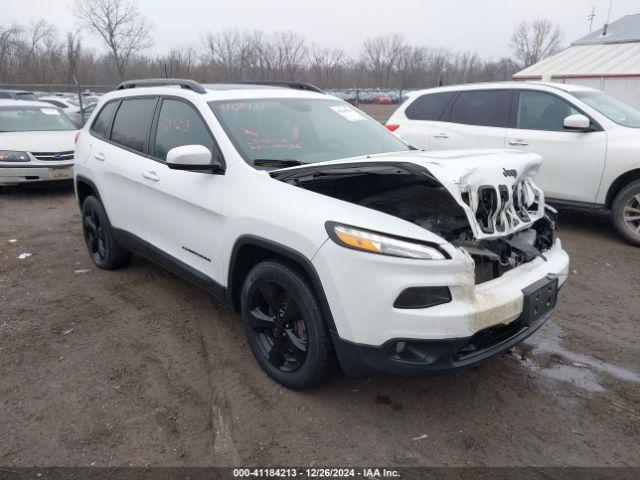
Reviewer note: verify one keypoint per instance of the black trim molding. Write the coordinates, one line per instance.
(145, 249)
(82, 179)
(286, 252)
(574, 204)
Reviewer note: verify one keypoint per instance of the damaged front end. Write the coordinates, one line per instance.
(501, 225)
(494, 257)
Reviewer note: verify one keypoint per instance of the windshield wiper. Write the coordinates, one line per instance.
(276, 163)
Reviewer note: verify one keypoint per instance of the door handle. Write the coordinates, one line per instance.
(99, 156)
(151, 175)
(518, 142)
(440, 135)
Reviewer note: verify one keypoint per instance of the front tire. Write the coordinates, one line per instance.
(105, 252)
(284, 326)
(625, 212)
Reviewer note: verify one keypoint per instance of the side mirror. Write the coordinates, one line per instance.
(578, 122)
(193, 158)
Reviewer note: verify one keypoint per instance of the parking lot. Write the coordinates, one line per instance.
(138, 367)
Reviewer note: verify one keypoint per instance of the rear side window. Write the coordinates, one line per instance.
(131, 125)
(541, 111)
(429, 107)
(488, 108)
(4, 95)
(179, 124)
(101, 124)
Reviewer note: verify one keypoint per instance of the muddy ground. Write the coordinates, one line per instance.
(138, 367)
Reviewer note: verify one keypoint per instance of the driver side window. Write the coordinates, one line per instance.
(541, 111)
(178, 125)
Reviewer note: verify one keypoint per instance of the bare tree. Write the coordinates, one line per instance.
(119, 23)
(36, 54)
(9, 42)
(231, 54)
(464, 67)
(72, 54)
(380, 56)
(40, 33)
(325, 65)
(411, 66)
(37, 51)
(533, 41)
(180, 62)
(289, 52)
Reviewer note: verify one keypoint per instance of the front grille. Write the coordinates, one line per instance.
(53, 156)
(498, 208)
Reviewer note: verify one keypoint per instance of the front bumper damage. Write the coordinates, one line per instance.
(482, 320)
(500, 239)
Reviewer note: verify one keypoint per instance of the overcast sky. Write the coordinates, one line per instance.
(484, 26)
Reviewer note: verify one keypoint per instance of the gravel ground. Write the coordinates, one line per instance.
(138, 367)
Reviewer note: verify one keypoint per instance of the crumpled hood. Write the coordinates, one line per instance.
(49, 141)
(495, 188)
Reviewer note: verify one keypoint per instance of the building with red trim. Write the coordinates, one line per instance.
(608, 59)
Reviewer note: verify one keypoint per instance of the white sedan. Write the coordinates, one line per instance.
(36, 143)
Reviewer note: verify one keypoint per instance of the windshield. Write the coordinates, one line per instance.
(292, 131)
(612, 108)
(25, 119)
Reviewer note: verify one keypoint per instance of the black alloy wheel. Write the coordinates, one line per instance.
(104, 250)
(284, 325)
(94, 235)
(278, 325)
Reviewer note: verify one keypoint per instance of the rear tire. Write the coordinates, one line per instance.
(625, 213)
(105, 252)
(284, 326)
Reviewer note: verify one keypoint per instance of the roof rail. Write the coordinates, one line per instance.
(156, 82)
(285, 84)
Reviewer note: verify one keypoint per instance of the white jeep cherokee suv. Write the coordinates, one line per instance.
(589, 141)
(331, 237)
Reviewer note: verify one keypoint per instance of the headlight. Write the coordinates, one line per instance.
(367, 241)
(11, 156)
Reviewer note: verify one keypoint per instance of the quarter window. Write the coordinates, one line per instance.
(488, 108)
(179, 124)
(429, 107)
(541, 111)
(132, 122)
(101, 124)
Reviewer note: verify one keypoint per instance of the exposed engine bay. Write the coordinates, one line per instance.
(412, 193)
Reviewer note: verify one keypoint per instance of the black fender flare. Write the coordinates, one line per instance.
(82, 179)
(286, 252)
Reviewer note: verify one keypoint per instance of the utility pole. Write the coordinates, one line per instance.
(77, 82)
(590, 18)
(604, 30)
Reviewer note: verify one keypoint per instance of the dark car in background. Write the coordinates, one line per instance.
(18, 95)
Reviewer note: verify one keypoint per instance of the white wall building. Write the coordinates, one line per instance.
(608, 61)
